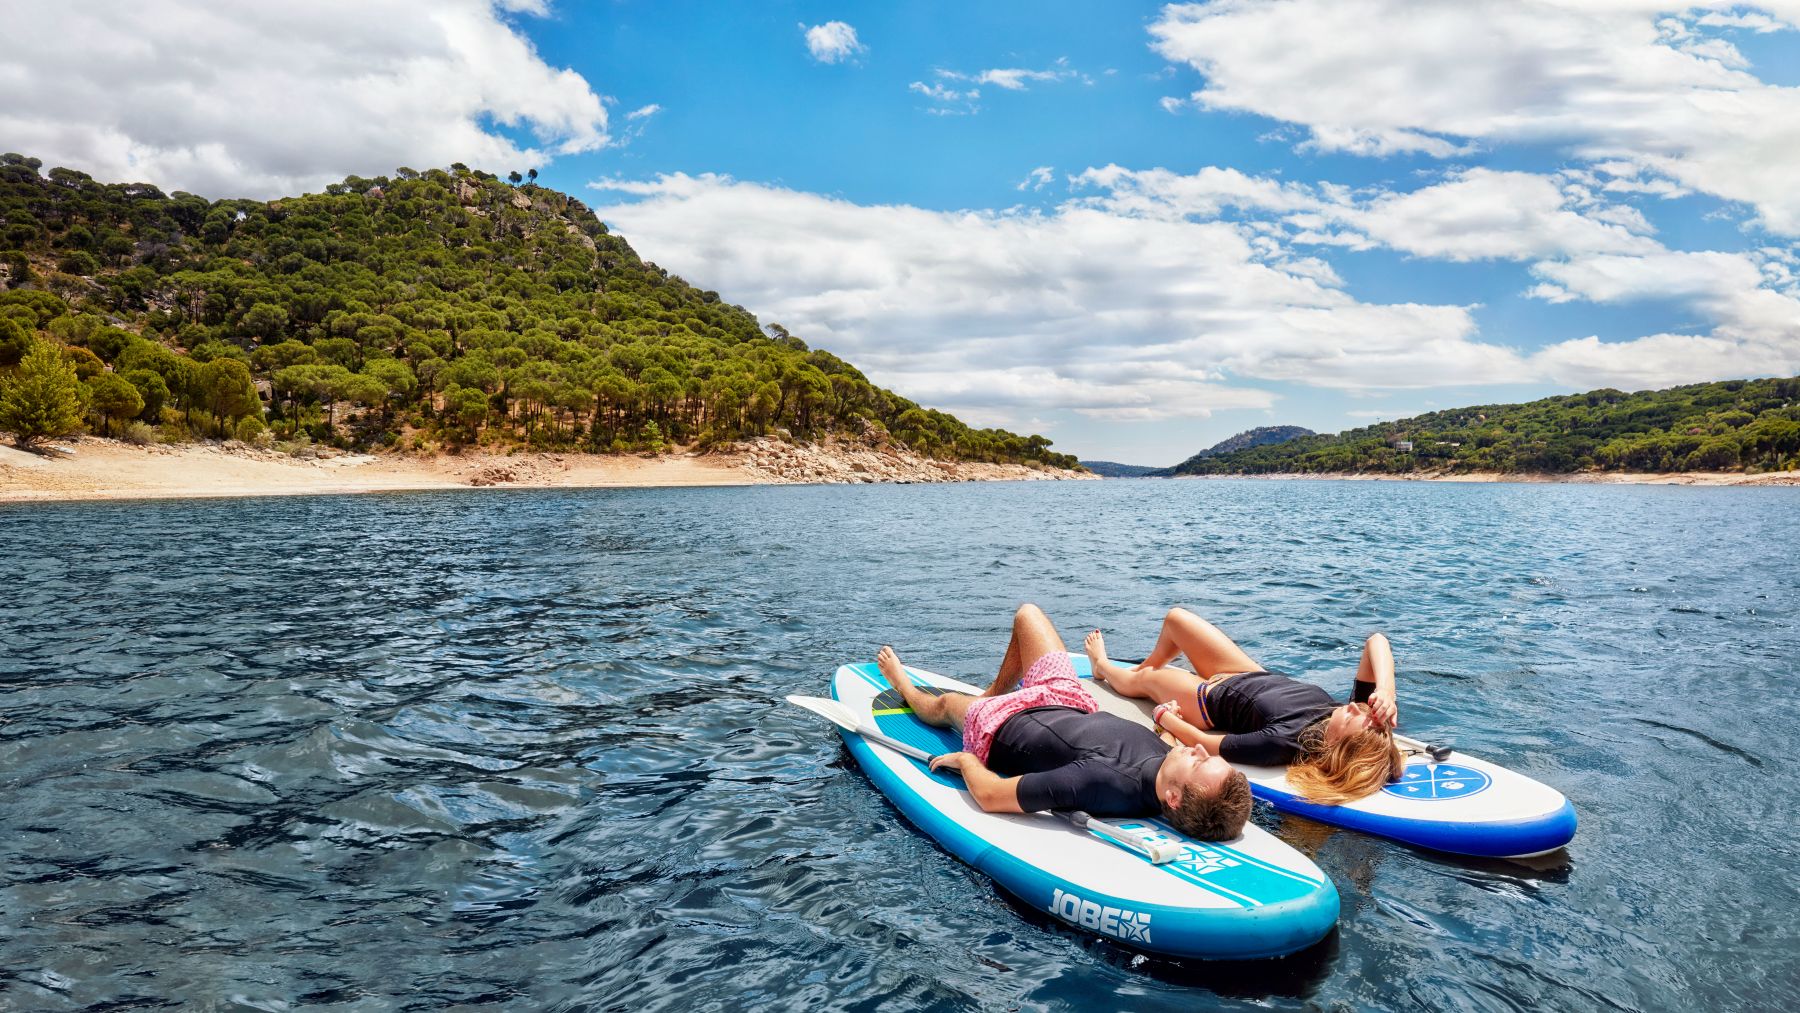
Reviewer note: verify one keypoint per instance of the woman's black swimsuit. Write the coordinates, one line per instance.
(1263, 714)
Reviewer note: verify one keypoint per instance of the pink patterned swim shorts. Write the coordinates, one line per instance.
(1049, 682)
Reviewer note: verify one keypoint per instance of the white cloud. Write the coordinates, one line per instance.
(1037, 178)
(832, 42)
(1014, 78)
(1617, 82)
(954, 101)
(1579, 246)
(1142, 301)
(272, 99)
(1114, 314)
(1747, 300)
(1476, 214)
(643, 112)
(943, 93)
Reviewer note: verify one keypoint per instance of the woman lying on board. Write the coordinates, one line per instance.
(1236, 709)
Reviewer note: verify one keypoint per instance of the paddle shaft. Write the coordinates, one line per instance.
(1130, 839)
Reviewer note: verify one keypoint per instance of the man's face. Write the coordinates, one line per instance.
(1194, 769)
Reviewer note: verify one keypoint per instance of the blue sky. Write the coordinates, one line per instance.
(1134, 228)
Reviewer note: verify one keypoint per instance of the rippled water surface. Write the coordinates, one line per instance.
(527, 749)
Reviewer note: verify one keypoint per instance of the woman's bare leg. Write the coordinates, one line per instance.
(1208, 650)
(1156, 684)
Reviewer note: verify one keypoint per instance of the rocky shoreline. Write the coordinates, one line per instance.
(88, 468)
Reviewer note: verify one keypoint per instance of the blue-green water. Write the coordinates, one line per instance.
(526, 749)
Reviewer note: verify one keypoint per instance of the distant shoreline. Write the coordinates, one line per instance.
(1703, 478)
(101, 469)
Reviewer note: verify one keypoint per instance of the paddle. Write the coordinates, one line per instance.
(1158, 852)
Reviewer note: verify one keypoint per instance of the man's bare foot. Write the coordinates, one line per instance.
(893, 670)
(1095, 646)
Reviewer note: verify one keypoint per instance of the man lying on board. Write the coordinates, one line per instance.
(1035, 740)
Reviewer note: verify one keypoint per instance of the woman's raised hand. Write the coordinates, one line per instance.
(1387, 712)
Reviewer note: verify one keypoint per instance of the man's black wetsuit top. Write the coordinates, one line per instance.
(1071, 760)
(1263, 714)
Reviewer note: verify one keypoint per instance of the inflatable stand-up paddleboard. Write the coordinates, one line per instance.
(1460, 804)
(1251, 897)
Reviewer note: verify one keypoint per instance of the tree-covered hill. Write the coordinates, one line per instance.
(1259, 437)
(426, 309)
(1113, 469)
(1726, 426)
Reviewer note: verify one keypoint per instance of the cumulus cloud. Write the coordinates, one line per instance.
(1475, 214)
(270, 99)
(1165, 295)
(1625, 82)
(1114, 314)
(1581, 247)
(832, 42)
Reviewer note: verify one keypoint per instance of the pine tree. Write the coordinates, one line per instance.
(42, 400)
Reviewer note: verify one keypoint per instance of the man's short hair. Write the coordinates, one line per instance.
(1218, 817)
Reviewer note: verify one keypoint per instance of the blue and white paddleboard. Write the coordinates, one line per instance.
(1462, 804)
(1251, 897)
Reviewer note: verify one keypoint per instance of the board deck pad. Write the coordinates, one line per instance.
(1464, 805)
(1250, 897)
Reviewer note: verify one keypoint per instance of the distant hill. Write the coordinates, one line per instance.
(420, 310)
(1732, 425)
(1112, 469)
(1249, 439)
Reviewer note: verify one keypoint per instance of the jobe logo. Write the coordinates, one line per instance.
(1116, 922)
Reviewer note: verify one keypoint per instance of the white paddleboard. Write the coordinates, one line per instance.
(1463, 804)
(1251, 897)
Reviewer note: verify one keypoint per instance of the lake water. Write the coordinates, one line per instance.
(527, 749)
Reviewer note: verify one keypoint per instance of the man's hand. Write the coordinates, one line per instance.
(1387, 712)
(954, 761)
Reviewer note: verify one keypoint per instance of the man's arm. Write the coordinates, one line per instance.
(993, 793)
(1377, 668)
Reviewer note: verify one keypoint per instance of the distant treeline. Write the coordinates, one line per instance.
(1728, 426)
(422, 309)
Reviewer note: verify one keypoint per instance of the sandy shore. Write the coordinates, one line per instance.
(1710, 478)
(97, 469)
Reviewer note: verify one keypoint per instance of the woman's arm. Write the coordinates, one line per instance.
(993, 793)
(1377, 667)
(1170, 720)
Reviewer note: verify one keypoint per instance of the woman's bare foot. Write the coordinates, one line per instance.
(1104, 669)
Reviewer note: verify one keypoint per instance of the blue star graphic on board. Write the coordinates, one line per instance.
(1137, 927)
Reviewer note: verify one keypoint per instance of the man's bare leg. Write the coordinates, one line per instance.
(1033, 636)
(945, 711)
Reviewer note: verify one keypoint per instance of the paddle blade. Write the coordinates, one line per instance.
(831, 710)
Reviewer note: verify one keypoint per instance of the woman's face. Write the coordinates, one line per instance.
(1348, 720)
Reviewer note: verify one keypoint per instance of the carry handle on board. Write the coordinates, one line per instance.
(1158, 852)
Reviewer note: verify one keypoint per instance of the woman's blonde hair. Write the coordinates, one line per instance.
(1353, 767)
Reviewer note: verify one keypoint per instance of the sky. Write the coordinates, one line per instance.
(1134, 228)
